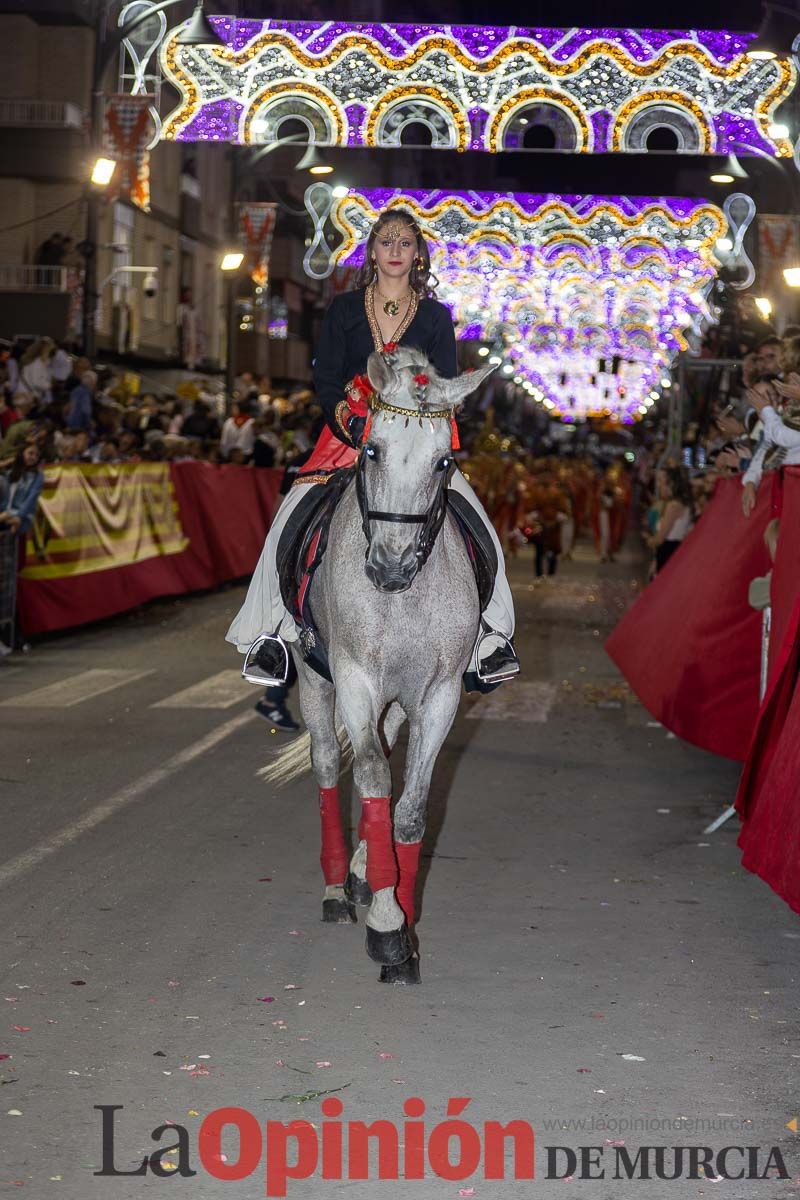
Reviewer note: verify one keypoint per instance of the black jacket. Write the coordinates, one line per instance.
(345, 343)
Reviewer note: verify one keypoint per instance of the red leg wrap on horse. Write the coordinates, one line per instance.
(362, 829)
(381, 862)
(408, 862)
(333, 855)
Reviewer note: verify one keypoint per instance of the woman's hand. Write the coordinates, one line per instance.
(748, 498)
(760, 396)
(789, 388)
(729, 426)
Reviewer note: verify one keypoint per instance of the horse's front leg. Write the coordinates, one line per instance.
(429, 726)
(357, 889)
(387, 936)
(317, 707)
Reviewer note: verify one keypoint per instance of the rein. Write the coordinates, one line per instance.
(431, 520)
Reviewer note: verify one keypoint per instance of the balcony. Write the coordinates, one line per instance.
(42, 140)
(36, 300)
(41, 114)
(18, 278)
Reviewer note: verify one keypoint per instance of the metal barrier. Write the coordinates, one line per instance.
(8, 587)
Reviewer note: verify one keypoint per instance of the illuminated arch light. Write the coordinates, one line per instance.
(552, 117)
(562, 279)
(397, 110)
(511, 109)
(533, 219)
(479, 75)
(262, 121)
(660, 105)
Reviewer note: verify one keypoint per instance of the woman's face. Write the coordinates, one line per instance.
(30, 456)
(395, 248)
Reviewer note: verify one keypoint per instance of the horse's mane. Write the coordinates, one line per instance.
(415, 360)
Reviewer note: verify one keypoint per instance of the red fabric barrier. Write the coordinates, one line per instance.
(785, 586)
(225, 513)
(767, 800)
(690, 647)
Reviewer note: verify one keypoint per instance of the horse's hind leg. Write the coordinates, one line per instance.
(387, 936)
(428, 729)
(357, 889)
(317, 706)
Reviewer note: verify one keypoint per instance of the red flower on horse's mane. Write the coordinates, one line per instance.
(389, 347)
(422, 380)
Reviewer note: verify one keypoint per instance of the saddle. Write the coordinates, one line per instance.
(303, 542)
(301, 547)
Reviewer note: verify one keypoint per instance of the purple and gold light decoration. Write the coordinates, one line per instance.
(564, 283)
(477, 87)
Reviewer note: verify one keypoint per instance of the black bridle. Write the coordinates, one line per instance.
(431, 521)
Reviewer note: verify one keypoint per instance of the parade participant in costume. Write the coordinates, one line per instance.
(392, 305)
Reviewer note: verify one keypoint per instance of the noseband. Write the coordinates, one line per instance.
(431, 521)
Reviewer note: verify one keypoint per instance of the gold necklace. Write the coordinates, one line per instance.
(372, 320)
(392, 307)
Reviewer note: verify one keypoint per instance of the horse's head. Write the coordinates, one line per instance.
(406, 462)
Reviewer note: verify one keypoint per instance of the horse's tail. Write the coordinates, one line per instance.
(295, 760)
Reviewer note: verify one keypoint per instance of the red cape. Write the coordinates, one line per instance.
(767, 799)
(690, 647)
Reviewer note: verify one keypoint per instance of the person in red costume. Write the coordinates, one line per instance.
(393, 304)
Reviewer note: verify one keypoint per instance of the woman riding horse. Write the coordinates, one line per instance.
(393, 305)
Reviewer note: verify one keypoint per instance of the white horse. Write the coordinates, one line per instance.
(400, 632)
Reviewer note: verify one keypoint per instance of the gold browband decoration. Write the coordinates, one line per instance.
(444, 413)
(375, 403)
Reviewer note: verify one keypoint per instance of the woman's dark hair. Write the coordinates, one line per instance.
(420, 278)
(679, 485)
(18, 467)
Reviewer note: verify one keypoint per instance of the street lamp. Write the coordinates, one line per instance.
(102, 171)
(313, 162)
(729, 171)
(197, 31)
(230, 265)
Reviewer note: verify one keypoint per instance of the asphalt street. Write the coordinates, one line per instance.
(592, 964)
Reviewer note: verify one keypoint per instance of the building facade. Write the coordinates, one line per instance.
(46, 61)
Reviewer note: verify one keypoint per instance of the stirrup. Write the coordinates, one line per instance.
(267, 661)
(510, 671)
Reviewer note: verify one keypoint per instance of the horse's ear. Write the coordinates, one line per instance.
(455, 391)
(380, 374)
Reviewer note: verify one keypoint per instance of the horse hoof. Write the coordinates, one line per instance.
(357, 890)
(338, 912)
(390, 948)
(402, 975)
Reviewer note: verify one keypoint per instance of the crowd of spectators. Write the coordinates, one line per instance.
(77, 413)
(745, 423)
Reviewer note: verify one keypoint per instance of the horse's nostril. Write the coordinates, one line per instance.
(390, 577)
